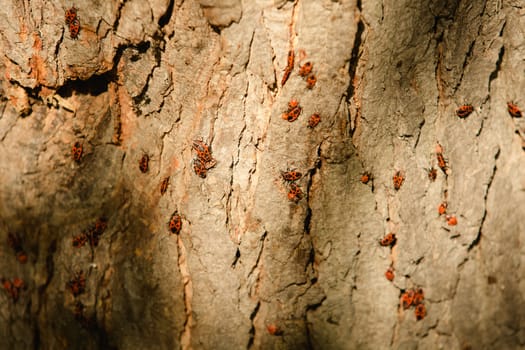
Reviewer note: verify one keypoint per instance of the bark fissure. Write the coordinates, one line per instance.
(355, 56)
(252, 328)
(259, 255)
(477, 240)
(166, 17)
(185, 335)
(50, 271)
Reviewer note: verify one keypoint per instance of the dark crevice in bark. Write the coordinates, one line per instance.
(165, 18)
(50, 271)
(216, 29)
(94, 86)
(477, 240)
(237, 257)
(118, 15)
(252, 329)
(309, 326)
(354, 57)
(496, 70)
(311, 174)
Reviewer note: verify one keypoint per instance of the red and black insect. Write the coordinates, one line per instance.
(314, 120)
(366, 177)
(203, 150)
(420, 312)
(294, 110)
(77, 285)
(388, 240)
(295, 194)
(164, 185)
(451, 220)
(91, 234)
(442, 209)
(464, 111)
(310, 81)
(306, 69)
(80, 240)
(289, 67)
(77, 151)
(13, 288)
(291, 175)
(432, 174)
(175, 224)
(389, 274)
(199, 168)
(204, 160)
(398, 180)
(514, 110)
(144, 163)
(419, 296)
(15, 242)
(407, 299)
(442, 163)
(74, 28)
(71, 15)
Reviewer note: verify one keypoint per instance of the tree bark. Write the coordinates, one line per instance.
(251, 268)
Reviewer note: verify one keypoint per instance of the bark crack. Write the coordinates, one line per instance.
(477, 240)
(355, 55)
(185, 335)
(252, 329)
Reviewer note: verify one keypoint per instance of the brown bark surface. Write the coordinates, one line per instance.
(250, 268)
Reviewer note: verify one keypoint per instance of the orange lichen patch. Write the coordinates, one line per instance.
(37, 42)
(38, 68)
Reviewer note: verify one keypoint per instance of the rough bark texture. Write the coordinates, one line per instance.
(251, 269)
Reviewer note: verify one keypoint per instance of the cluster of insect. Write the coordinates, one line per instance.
(465, 110)
(77, 283)
(14, 287)
(295, 194)
(72, 21)
(414, 297)
(77, 286)
(305, 71)
(294, 111)
(77, 151)
(204, 160)
(91, 235)
(15, 242)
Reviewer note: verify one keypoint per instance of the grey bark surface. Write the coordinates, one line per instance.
(251, 269)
